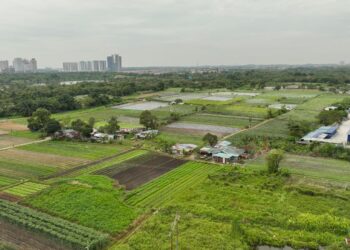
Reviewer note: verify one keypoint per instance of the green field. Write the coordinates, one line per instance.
(6, 181)
(179, 137)
(221, 120)
(89, 151)
(204, 102)
(25, 189)
(73, 235)
(241, 209)
(109, 163)
(240, 109)
(91, 201)
(163, 189)
(322, 169)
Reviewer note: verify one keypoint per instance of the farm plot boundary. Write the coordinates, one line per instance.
(140, 170)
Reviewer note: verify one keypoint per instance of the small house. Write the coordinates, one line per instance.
(147, 134)
(67, 134)
(101, 137)
(182, 149)
(228, 155)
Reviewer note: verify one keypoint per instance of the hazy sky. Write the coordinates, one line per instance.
(176, 32)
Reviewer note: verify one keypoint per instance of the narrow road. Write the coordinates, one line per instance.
(24, 144)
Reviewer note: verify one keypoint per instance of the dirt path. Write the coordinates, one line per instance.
(24, 144)
(243, 130)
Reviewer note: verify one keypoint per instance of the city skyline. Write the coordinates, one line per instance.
(178, 33)
(113, 63)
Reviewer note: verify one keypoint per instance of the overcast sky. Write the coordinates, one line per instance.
(176, 32)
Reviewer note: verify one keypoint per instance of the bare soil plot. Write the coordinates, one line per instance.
(23, 239)
(217, 98)
(140, 170)
(2, 132)
(201, 128)
(9, 141)
(62, 162)
(142, 105)
(9, 125)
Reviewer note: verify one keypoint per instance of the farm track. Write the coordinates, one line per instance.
(247, 129)
(25, 144)
(72, 170)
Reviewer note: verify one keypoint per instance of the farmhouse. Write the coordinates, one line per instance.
(102, 137)
(147, 134)
(223, 152)
(67, 133)
(181, 149)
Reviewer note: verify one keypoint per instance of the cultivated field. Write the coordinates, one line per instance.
(87, 151)
(73, 235)
(193, 128)
(25, 189)
(30, 157)
(159, 191)
(12, 126)
(10, 141)
(139, 170)
(221, 120)
(336, 172)
(142, 106)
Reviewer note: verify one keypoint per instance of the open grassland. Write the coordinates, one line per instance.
(221, 120)
(89, 151)
(163, 189)
(242, 209)
(23, 170)
(73, 235)
(322, 169)
(25, 189)
(107, 164)
(89, 200)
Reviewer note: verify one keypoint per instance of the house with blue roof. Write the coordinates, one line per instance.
(223, 152)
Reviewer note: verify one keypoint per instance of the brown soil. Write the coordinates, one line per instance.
(9, 197)
(135, 172)
(2, 132)
(23, 239)
(8, 125)
(192, 131)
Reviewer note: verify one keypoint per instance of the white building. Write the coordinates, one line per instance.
(70, 67)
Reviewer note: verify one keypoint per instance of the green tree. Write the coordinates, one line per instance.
(82, 127)
(39, 119)
(273, 160)
(148, 120)
(331, 116)
(112, 127)
(211, 139)
(52, 126)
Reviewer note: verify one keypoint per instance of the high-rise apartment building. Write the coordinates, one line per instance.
(85, 66)
(21, 65)
(114, 63)
(70, 67)
(4, 66)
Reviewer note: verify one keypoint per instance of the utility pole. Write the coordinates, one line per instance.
(175, 229)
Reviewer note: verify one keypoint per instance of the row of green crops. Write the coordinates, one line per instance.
(78, 237)
(164, 188)
(5, 181)
(25, 189)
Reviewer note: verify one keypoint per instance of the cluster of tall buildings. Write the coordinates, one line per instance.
(19, 65)
(112, 64)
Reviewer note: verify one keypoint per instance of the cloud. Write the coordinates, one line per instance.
(176, 32)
